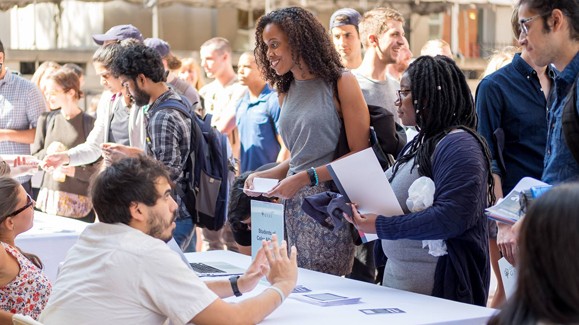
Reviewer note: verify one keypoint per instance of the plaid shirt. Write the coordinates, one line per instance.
(169, 141)
(21, 103)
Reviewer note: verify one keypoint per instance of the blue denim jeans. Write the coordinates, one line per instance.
(185, 235)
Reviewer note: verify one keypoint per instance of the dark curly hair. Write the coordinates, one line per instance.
(136, 58)
(124, 182)
(443, 102)
(307, 40)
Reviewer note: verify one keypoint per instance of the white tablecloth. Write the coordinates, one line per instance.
(50, 239)
(419, 309)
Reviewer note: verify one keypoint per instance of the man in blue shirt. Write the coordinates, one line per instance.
(512, 101)
(550, 32)
(256, 117)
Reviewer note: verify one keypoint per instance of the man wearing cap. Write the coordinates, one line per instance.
(118, 33)
(382, 34)
(346, 37)
(21, 103)
(118, 118)
(171, 63)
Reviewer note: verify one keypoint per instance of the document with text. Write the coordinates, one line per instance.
(266, 220)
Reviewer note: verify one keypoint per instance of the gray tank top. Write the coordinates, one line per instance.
(409, 266)
(309, 124)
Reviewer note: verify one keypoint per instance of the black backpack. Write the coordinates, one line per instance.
(208, 170)
(387, 138)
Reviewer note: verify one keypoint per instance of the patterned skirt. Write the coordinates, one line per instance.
(319, 249)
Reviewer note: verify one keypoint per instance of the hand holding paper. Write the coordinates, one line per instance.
(260, 186)
(363, 222)
(289, 186)
(368, 187)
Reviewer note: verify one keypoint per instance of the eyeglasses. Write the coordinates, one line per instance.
(402, 93)
(29, 202)
(523, 24)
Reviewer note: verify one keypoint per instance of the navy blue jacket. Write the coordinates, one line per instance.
(457, 215)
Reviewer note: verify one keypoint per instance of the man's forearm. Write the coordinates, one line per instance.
(20, 136)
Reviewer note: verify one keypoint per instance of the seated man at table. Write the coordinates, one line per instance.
(121, 272)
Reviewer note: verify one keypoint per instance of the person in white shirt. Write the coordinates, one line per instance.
(121, 271)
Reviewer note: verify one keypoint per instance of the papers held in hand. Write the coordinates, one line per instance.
(361, 180)
(262, 185)
(508, 210)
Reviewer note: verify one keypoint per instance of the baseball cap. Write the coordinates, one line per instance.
(118, 33)
(159, 45)
(349, 17)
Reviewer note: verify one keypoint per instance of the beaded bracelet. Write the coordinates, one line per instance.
(314, 181)
(278, 290)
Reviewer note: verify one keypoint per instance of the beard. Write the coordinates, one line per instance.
(158, 227)
(141, 98)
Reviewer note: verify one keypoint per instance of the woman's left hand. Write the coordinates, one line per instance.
(289, 186)
(363, 222)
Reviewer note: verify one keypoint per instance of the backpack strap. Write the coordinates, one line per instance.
(49, 122)
(175, 104)
(570, 122)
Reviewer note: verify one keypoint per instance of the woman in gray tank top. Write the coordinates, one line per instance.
(295, 54)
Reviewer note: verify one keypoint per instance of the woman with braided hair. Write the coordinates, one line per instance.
(442, 248)
(296, 55)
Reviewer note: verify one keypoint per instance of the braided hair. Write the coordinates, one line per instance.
(443, 102)
(308, 41)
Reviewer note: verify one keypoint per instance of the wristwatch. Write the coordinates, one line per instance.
(234, 287)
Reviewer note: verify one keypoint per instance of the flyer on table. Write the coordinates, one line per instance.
(266, 220)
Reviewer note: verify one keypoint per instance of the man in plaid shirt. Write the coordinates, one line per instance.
(21, 103)
(140, 69)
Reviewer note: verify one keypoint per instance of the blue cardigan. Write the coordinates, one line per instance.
(457, 216)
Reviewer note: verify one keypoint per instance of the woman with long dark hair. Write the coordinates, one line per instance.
(435, 97)
(295, 54)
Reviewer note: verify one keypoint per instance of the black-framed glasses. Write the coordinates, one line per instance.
(29, 203)
(402, 93)
(523, 24)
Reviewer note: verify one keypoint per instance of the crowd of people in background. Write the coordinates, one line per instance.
(300, 100)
